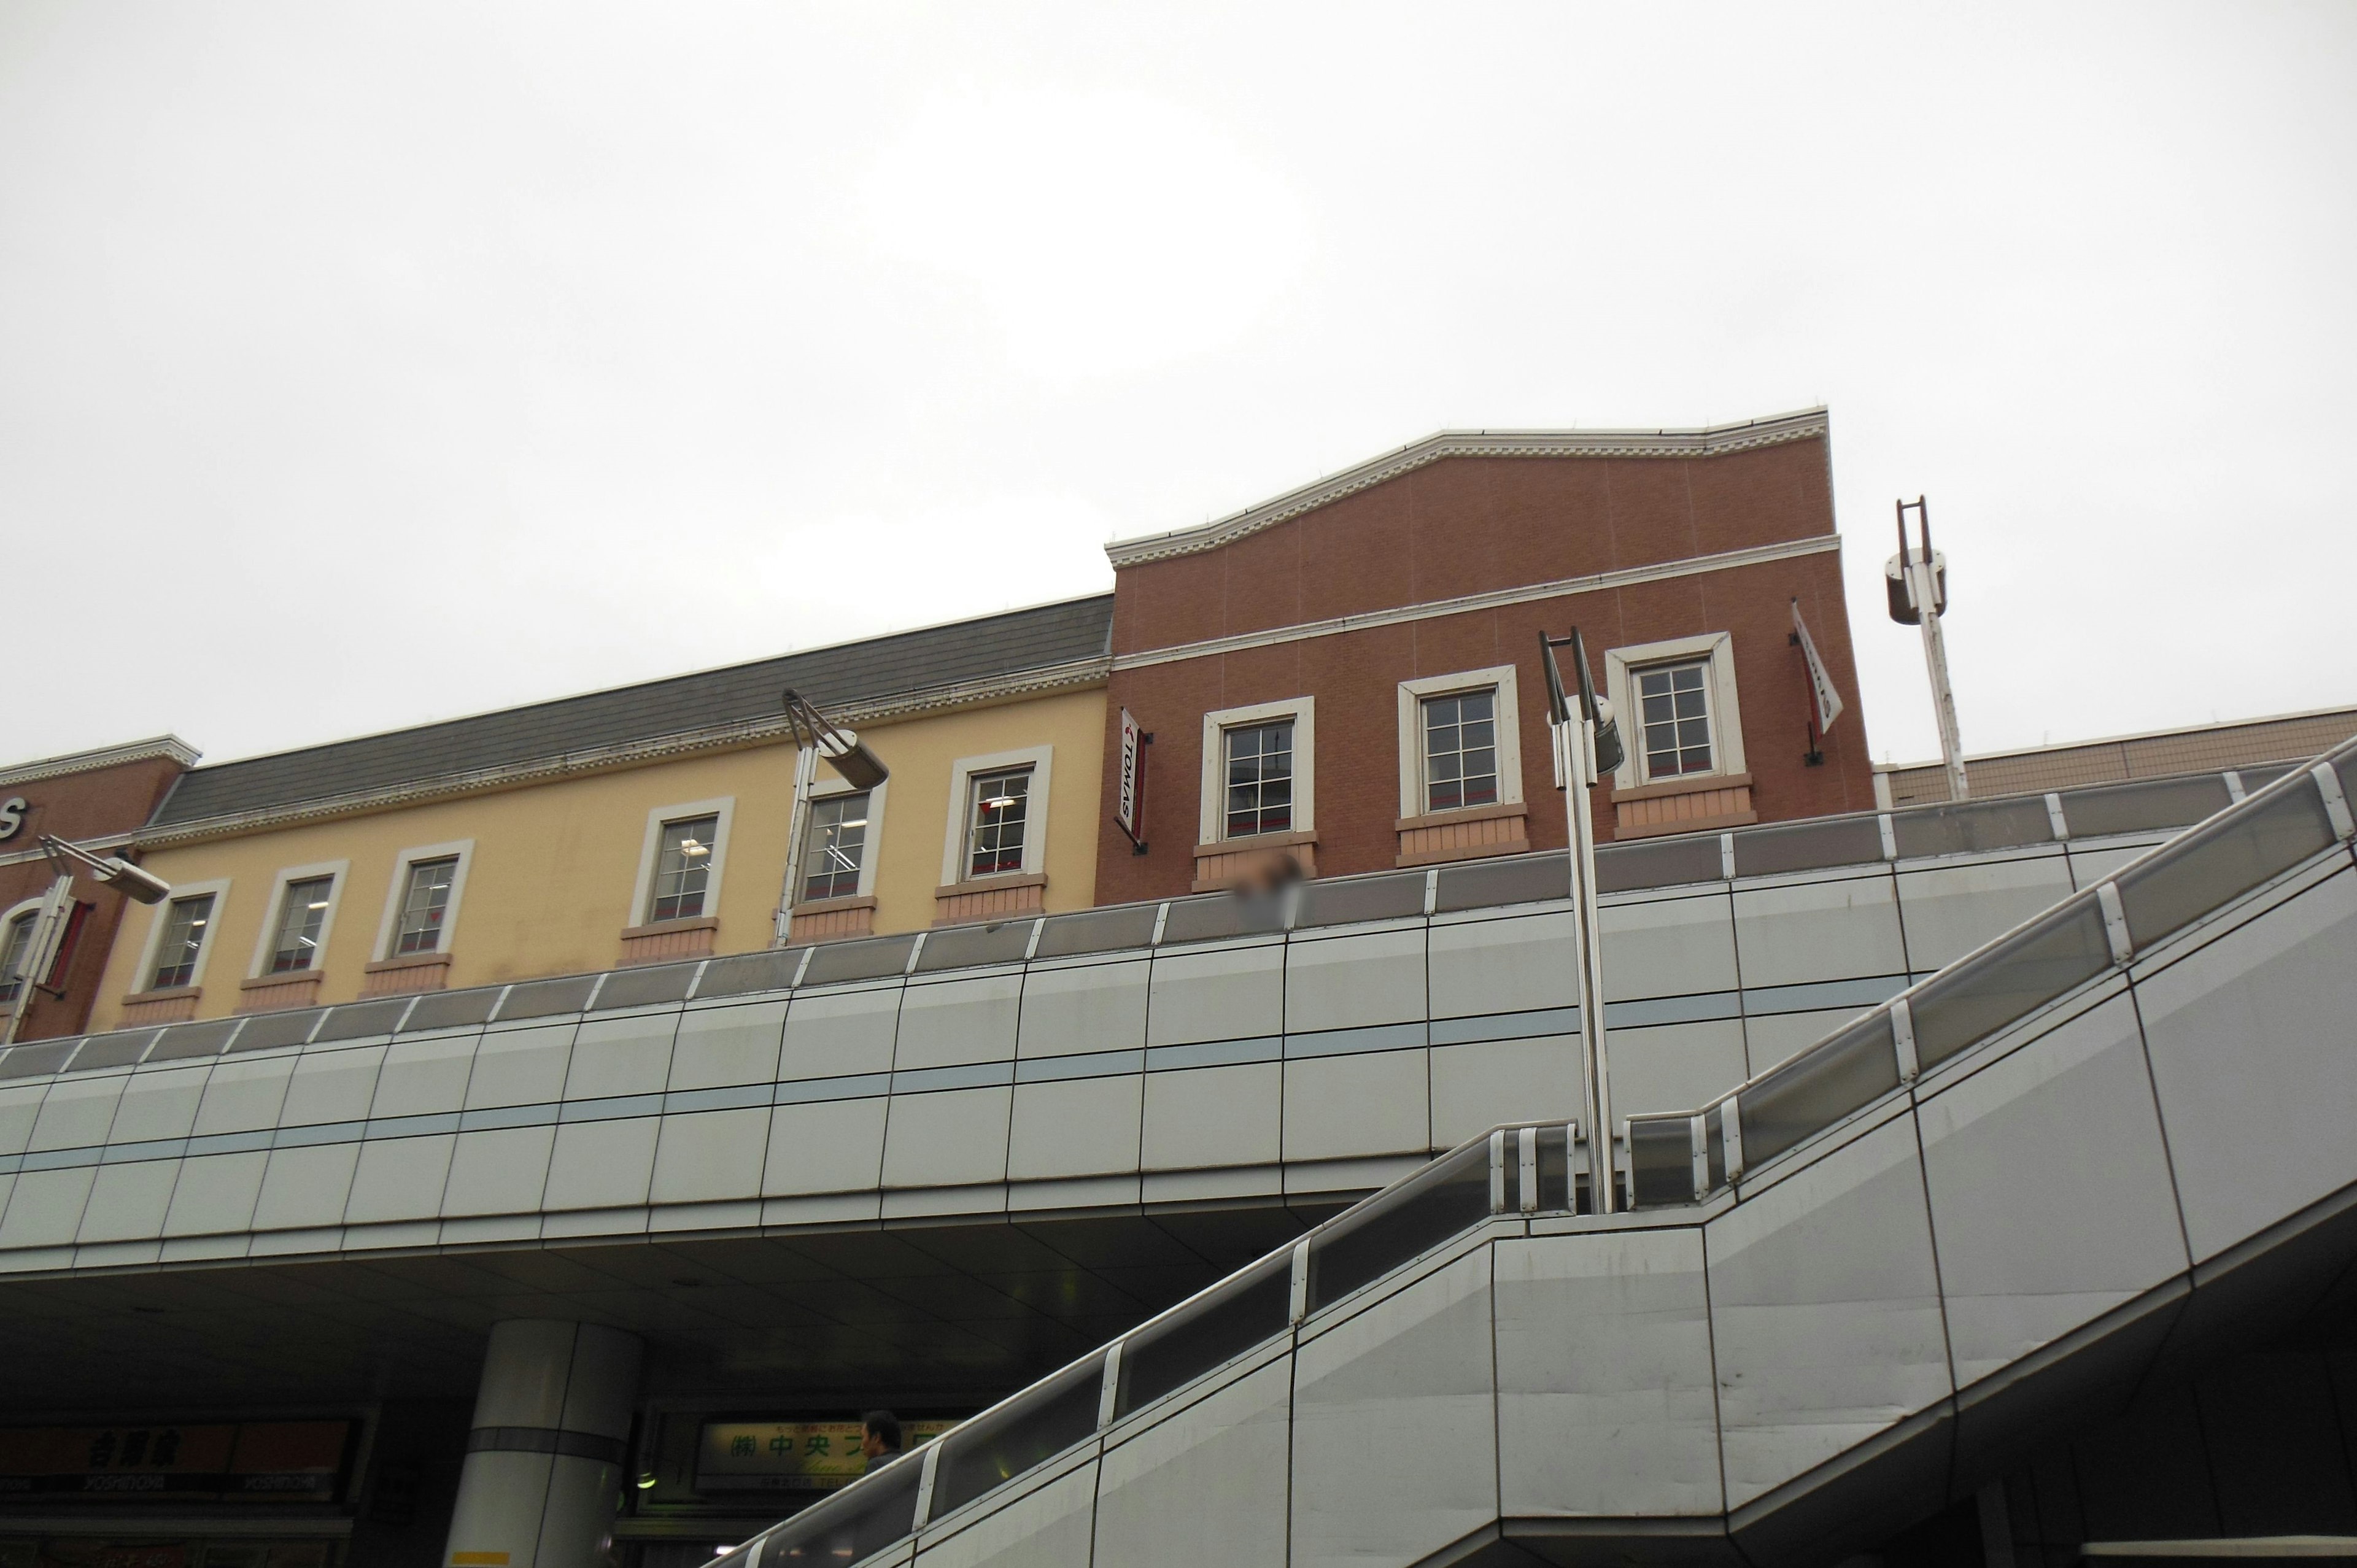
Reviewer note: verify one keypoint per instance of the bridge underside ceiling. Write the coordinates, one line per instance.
(947, 1314)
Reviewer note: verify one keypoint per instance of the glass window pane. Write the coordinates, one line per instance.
(682, 868)
(183, 939)
(2066, 948)
(1818, 1088)
(2217, 863)
(1461, 765)
(302, 911)
(1036, 1426)
(1260, 779)
(996, 820)
(1448, 1196)
(1237, 1315)
(836, 847)
(425, 905)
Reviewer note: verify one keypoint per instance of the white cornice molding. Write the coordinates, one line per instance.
(630, 754)
(1434, 608)
(1709, 441)
(168, 746)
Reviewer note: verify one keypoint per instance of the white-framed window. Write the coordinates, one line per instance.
(17, 929)
(180, 936)
(997, 815)
(302, 914)
(839, 842)
(680, 862)
(1676, 706)
(421, 906)
(1460, 742)
(1260, 770)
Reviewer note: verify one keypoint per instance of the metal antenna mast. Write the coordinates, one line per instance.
(1916, 581)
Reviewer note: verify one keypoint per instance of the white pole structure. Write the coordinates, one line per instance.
(1917, 581)
(1587, 748)
(57, 911)
(805, 775)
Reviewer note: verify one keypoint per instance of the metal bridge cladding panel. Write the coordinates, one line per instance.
(1828, 928)
(305, 1188)
(954, 1023)
(127, 1201)
(2260, 1130)
(1354, 981)
(1079, 1095)
(521, 1067)
(825, 1146)
(1229, 991)
(1824, 1310)
(1077, 1008)
(1673, 1067)
(1949, 910)
(835, 1034)
(609, 1162)
(1669, 947)
(949, 1138)
(1048, 1527)
(1507, 1048)
(216, 1195)
(718, 1047)
(1510, 965)
(1394, 1435)
(2063, 1127)
(615, 1057)
(1616, 1417)
(1233, 1445)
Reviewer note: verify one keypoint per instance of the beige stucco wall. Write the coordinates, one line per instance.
(549, 887)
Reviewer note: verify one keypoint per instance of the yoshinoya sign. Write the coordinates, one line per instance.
(1129, 796)
(789, 1455)
(254, 1461)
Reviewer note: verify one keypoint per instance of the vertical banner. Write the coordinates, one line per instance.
(1826, 700)
(1129, 799)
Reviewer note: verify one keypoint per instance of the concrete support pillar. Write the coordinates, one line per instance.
(544, 1459)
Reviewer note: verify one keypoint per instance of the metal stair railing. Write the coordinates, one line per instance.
(1678, 1158)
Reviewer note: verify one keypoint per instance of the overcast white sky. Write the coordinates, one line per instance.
(366, 365)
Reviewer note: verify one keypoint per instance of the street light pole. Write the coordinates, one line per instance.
(817, 739)
(1586, 749)
(57, 913)
(48, 930)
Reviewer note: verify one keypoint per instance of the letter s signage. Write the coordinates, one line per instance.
(12, 816)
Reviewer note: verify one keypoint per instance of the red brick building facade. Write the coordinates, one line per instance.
(1364, 616)
(96, 799)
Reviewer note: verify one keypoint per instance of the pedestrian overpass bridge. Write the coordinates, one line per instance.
(940, 1166)
(1850, 1290)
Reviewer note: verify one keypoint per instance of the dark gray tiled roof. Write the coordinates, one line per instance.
(848, 674)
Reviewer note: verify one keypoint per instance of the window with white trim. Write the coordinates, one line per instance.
(302, 917)
(424, 906)
(181, 947)
(835, 849)
(1459, 744)
(997, 818)
(1675, 702)
(1259, 771)
(682, 868)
